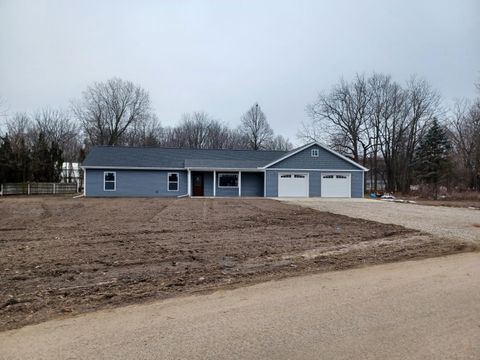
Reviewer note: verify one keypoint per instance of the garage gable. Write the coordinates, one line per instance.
(315, 156)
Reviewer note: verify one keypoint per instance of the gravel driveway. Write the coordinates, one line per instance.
(458, 223)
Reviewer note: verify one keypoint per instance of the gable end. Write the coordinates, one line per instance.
(326, 159)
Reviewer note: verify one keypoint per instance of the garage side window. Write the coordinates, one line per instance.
(109, 181)
(315, 152)
(228, 180)
(172, 181)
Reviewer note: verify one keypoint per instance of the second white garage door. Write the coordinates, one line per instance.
(292, 185)
(336, 185)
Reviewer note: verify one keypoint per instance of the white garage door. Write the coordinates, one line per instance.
(336, 185)
(292, 185)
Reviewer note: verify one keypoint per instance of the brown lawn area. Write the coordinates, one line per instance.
(451, 203)
(63, 256)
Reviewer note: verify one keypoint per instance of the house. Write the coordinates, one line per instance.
(311, 170)
(70, 172)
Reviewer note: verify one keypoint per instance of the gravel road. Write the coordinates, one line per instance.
(426, 309)
(457, 223)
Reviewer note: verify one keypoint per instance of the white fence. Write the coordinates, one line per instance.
(38, 188)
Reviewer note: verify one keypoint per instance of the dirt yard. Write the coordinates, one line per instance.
(63, 256)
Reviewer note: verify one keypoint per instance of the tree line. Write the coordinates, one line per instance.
(403, 134)
(116, 112)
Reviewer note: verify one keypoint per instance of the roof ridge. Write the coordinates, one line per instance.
(183, 148)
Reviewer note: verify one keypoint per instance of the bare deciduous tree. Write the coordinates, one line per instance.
(57, 126)
(145, 133)
(3, 107)
(21, 139)
(108, 110)
(423, 106)
(368, 118)
(19, 130)
(255, 128)
(193, 130)
(280, 143)
(465, 135)
(342, 116)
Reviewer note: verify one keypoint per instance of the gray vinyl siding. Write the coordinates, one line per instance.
(271, 183)
(304, 160)
(227, 192)
(252, 184)
(315, 182)
(137, 183)
(357, 184)
(208, 183)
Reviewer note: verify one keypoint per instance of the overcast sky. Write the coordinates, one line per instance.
(222, 56)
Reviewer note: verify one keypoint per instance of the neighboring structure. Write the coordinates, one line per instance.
(70, 172)
(308, 171)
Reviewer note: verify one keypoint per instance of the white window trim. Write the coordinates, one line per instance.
(336, 173)
(228, 187)
(178, 181)
(114, 181)
(316, 152)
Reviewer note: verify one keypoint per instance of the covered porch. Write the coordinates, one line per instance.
(226, 182)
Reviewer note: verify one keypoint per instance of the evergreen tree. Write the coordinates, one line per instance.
(432, 156)
(55, 162)
(23, 160)
(7, 161)
(47, 160)
(40, 155)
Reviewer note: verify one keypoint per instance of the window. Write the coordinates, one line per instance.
(341, 176)
(299, 176)
(315, 152)
(109, 181)
(286, 176)
(172, 181)
(227, 180)
(328, 176)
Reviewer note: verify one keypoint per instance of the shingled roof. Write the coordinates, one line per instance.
(171, 158)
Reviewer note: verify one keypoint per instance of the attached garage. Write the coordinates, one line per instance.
(314, 171)
(336, 185)
(293, 184)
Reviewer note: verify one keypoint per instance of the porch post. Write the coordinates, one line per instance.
(264, 183)
(214, 183)
(239, 184)
(189, 183)
(85, 182)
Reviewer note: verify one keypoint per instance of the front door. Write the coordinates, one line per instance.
(197, 184)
